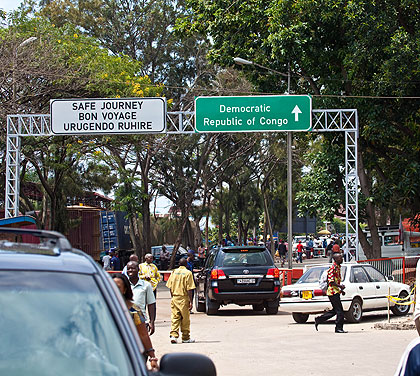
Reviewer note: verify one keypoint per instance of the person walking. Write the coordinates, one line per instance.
(115, 261)
(142, 295)
(282, 252)
(149, 272)
(201, 254)
(164, 258)
(335, 289)
(107, 261)
(132, 257)
(124, 286)
(181, 284)
(309, 248)
(299, 249)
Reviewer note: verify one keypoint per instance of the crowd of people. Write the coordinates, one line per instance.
(138, 283)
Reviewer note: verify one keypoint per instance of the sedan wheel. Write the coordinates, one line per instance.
(401, 310)
(300, 318)
(354, 314)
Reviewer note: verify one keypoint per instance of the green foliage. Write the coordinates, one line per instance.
(141, 29)
(357, 54)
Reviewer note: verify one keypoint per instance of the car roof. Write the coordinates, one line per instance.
(54, 254)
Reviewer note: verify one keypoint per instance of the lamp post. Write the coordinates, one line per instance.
(15, 56)
(241, 61)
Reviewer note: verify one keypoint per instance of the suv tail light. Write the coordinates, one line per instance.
(273, 273)
(218, 274)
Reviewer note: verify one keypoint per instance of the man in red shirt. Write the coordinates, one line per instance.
(299, 249)
(335, 288)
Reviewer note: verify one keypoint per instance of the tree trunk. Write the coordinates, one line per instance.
(146, 231)
(365, 186)
(270, 229)
(135, 236)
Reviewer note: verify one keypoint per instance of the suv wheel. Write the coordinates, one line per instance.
(211, 307)
(272, 307)
(199, 306)
(258, 307)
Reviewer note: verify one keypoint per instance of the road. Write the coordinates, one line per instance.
(243, 342)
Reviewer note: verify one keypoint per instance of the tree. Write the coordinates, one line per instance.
(62, 64)
(143, 30)
(348, 52)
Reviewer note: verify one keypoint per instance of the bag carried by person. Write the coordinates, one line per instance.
(323, 280)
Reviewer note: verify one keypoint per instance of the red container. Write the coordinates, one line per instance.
(85, 236)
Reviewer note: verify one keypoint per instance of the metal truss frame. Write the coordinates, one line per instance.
(182, 122)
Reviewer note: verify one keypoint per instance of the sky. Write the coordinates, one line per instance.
(9, 5)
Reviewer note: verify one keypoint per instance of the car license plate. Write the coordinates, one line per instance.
(245, 280)
(307, 295)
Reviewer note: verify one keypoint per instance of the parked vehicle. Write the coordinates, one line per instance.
(366, 290)
(182, 252)
(239, 275)
(61, 314)
(296, 241)
(391, 246)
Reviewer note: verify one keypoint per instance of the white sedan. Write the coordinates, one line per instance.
(366, 290)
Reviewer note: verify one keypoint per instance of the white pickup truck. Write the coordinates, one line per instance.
(390, 245)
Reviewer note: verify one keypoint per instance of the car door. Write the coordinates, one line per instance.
(380, 284)
(363, 286)
(203, 276)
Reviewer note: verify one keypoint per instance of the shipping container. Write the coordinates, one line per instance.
(85, 236)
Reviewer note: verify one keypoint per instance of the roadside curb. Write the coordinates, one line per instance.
(407, 324)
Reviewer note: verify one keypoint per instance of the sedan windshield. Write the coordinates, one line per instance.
(57, 324)
(313, 275)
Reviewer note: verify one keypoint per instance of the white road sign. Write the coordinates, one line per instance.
(108, 116)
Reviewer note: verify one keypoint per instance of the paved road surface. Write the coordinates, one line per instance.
(241, 343)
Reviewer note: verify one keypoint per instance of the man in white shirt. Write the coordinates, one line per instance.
(142, 295)
(107, 261)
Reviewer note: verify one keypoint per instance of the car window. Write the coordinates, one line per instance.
(391, 240)
(59, 324)
(374, 274)
(210, 260)
(241, 257)
(358, 275)
(313, 274)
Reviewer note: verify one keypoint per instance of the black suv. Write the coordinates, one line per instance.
(239, 275)
(61, 314)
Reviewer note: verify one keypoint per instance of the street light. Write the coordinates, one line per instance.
(15, 56)
(241, 61)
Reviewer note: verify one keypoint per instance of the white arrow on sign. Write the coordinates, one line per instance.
(296, 111)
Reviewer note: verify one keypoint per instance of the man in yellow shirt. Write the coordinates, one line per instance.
(149, 272)
(181, 283)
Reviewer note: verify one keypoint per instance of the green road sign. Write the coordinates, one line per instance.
(270, 113)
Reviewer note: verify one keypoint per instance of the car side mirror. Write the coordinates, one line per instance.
(390, 278)
(186, 364)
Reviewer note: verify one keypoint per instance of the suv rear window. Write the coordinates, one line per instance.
(241, 257)
(57, 323)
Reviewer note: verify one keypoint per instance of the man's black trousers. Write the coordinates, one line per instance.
(337, 310)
